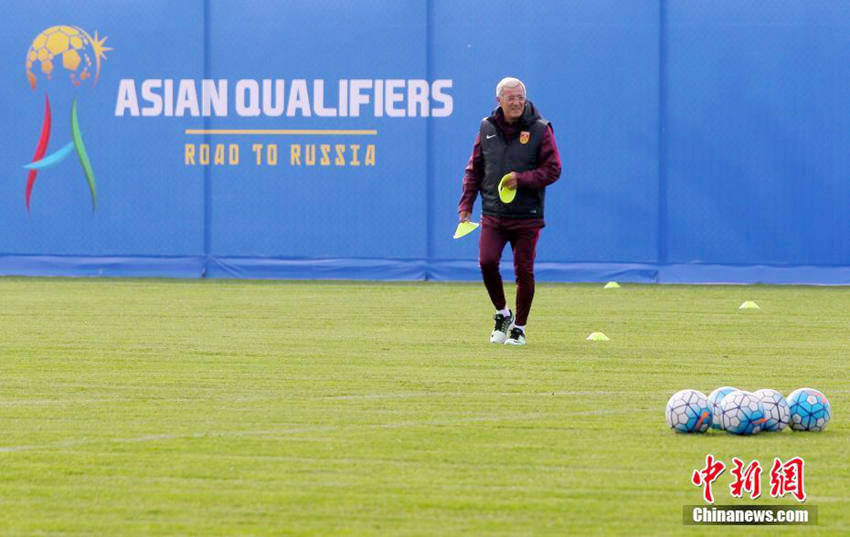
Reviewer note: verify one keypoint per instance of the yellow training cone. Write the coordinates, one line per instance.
(612, 285)
(506, 194)
(749, 305)
(597, 336)
(464, 229)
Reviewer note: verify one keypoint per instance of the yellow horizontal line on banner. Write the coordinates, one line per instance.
(366, 132)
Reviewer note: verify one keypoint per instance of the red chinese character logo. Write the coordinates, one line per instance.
(748, 480)
(787, 479)
(707, 476)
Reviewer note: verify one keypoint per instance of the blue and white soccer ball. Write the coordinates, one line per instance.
(688, 411)
(714, 399)
(776, 409)
(810, 410)
(742, 413)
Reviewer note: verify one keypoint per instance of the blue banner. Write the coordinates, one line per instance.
(701, 142)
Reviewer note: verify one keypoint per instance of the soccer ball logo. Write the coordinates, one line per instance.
(810, 410)
(688, 411)
(742, 413)
(714, 401)
(69, 46)
(776, 409)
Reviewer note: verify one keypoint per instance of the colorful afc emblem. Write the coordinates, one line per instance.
(59, 52)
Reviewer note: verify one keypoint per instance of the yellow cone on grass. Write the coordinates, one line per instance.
(749, 305)
(597, 336)
(612, 285)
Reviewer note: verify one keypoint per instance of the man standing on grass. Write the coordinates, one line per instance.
(513, 140)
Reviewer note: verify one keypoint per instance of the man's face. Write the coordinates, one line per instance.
(512, 103)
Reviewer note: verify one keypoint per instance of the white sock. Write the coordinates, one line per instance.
(506, 312)
(520, 327)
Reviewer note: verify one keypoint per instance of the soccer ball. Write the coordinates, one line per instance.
(810, 410)
(714, 399)
(688, 411)
(742, 413)
(776, 409)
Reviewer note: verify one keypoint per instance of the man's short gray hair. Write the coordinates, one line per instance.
(509, 82)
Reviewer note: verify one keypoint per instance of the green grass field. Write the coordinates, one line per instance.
(207, 408)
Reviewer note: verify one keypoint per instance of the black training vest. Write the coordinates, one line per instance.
(504, 156)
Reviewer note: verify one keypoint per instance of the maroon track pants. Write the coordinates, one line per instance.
(523, 235)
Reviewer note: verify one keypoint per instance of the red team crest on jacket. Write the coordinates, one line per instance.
(524, 136)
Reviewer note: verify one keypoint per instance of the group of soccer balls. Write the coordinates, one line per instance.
(740, 412)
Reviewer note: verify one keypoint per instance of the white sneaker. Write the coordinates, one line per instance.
(517, 337)
(500, 331)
